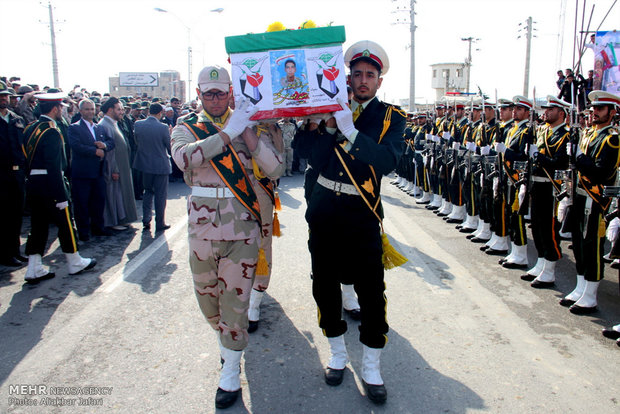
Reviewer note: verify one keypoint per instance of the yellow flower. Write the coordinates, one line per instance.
(276, 27)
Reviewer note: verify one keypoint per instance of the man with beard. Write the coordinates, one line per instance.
(550, 155)
(596, 159)
(359, 146)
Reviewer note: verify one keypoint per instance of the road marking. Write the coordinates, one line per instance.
(134, 264)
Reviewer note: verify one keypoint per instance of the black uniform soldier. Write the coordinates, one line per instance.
(12, 181)
(597, 158)
(514, 149)
(344, 214)
(550, 155)
(48, 191)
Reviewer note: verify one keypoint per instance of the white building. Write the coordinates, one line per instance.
(448, 77)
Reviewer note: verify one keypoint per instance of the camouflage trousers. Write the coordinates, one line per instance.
(261, 282)
(223, 273)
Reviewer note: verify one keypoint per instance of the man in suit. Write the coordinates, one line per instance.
(153, 160)
(48, 192)
(89, 145)
(12, 180)
(359, 146)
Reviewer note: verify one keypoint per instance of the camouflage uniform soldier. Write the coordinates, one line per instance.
(215, 150)
(289, 128)
(265, 192)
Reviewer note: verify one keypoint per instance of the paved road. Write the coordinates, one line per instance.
(466, 335)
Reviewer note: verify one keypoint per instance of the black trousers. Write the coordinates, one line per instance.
(545, 227)
(43, 212)
(516, 222)
(12, 187)
(88, 196)
(155, 188)
(351, 255)
(588, 247)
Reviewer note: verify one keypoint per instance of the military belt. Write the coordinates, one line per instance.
(212, 192)
(537, 179)
(337, 186)
(38, 172)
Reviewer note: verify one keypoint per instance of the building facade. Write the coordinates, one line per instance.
(168, 85)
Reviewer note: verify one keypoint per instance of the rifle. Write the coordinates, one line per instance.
(527, 174)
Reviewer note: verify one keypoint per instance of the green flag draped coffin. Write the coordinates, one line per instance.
(289, 73)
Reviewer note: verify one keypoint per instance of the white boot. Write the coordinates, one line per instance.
(349, 298)
(538, 267)
(576, 293)
(371, 366)
(442, 206)
(501, 243)
(415, 191)
(436, 201)
(471, 223)
(492, 240)
(77, 263)
(588, 299)
(512, 252)
(548, 273)
(339, 357)
(478, 230)
(519, 258)
(446, 210)
(426, 197)
(458, 213)
(230, 375)
(254, 310)
(36, 271)
(371, 375)
(485, 234)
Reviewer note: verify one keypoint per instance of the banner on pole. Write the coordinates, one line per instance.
(606, 61)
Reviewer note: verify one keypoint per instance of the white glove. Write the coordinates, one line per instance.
(429, 137)
(613, 229)
(563, 208)
(344, 120)
(522, 191)
(471, 146)
(424, 159)
(569, 148)
(533, 150)
(63, 205)
(436, 139)
(456, 145)
(500, 147)
(486, 150)
(317, 118)
(495, 186)
(240, 119)
(446, 135)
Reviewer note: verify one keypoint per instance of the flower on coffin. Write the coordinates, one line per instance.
(275, 27)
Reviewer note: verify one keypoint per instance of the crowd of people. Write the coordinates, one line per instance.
(92, 156)
(494, 169)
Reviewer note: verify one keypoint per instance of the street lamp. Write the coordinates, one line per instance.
(189, 43)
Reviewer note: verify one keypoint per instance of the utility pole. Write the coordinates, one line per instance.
(469, 40)
(412, 106)
(54, 58)
(412, 27)
(528, 35)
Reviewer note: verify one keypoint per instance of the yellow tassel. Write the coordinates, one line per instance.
(391, 257)
(275, 27)
(262, 267)
(277, 204)
(276, 225)
(515, 205)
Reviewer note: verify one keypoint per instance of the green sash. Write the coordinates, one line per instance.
(35, 132)
(228, 166)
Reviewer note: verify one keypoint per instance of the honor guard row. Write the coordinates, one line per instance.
(499, 168)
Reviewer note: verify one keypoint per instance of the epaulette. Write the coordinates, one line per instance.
(396, 108)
